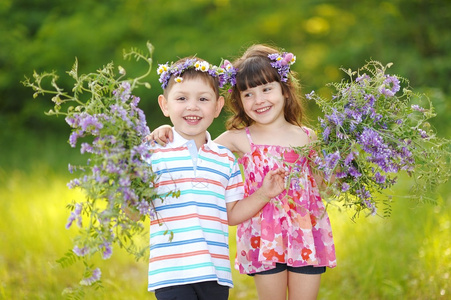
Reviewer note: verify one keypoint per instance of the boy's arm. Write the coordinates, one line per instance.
(273, 185)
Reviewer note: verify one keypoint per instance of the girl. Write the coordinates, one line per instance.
(288, 244)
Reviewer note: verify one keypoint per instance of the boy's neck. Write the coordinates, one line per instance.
(199, 139)
(200, 142)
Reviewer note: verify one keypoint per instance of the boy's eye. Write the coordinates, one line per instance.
(203, 99)
(181, 98)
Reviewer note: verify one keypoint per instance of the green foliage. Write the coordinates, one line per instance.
(323, 35)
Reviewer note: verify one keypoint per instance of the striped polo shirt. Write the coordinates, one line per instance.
(207, 179)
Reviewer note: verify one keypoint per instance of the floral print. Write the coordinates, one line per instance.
(293, 228)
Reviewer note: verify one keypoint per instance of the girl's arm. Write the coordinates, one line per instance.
(273, 185)
(162, 135)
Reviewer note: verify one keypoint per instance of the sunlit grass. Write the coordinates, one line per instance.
(33, 237)
(406, 256)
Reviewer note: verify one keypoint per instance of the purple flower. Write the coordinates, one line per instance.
(123, 92)
(354, 172)
(107, 250)
(73, 138)
(345, 187)
(96, 274)
(282, 63)
(90, 123)
(390, 86)
(363, 193)
(362, 78)
(326, 134)
(349, 158)
(74, 183)
(423, 133)
(310, 95)
(80, 251)
(330, 162)
(418, 108)
(379, 178)
(75, 215)
(124, 181)
(335, 118)
(85, 147)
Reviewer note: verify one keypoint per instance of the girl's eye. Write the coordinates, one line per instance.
(181, 98)
(203, 99)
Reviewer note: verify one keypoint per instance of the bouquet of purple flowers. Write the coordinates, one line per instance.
(373, 129)
(107, 123)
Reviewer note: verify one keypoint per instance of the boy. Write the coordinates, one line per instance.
(194, 262)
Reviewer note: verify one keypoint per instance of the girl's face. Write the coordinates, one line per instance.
(264, 103)
(192, 106)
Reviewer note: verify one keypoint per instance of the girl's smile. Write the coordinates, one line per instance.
(263, 110)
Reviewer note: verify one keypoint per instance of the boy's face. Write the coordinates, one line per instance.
(192, 106)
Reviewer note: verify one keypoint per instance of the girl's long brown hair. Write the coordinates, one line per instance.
(254, 69)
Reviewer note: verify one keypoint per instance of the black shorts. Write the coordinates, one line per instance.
(302, 270)
(195, 291)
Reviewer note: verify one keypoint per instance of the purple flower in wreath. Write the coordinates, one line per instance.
(282, 63)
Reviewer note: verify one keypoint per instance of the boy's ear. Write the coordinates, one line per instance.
(219, 106)
(163, 105)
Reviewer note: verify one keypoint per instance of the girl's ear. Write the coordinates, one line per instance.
(219, 106)
(163, 105)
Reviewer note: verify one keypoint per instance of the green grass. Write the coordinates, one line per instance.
(406, 256)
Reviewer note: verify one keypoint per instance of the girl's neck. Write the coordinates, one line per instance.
(282, 134)
(272, 127)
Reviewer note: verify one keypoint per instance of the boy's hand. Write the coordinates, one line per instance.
(273, 183)
(162, 135)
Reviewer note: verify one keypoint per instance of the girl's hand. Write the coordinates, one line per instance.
(273, 183)
(162, 135)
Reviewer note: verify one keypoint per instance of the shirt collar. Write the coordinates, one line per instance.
(181, 141)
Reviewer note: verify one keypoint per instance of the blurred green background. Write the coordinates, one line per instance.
(407, 256)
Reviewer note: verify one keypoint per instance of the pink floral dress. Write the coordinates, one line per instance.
(292, 228)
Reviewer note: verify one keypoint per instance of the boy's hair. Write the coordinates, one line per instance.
(254, 69)
(191, 73)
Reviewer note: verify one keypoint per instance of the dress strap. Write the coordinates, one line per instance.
(248, 135)
(307, 132)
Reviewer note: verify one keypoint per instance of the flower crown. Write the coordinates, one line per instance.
(282, 63)
(224, 73)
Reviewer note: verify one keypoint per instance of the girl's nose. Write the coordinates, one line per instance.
(259, 98)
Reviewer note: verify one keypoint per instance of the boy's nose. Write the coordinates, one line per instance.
(192, 105)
